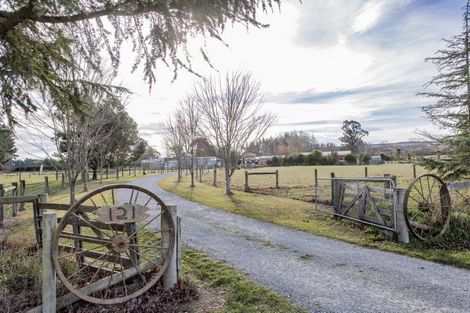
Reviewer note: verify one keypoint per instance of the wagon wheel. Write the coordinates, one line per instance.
(108, 247)
(427, 207)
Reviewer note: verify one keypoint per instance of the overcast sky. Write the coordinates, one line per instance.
(320, 62)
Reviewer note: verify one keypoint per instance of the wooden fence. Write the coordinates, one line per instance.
(247, 174)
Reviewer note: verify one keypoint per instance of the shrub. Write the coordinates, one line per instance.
(350, 159)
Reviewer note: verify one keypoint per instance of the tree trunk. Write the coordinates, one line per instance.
(192, 178)
(72, 182)
(85, 179)
(95, 173)
(101, 169)
(228, 190)
(178, 164)
(192, 171)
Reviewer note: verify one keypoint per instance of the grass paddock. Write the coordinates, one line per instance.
(302, 216)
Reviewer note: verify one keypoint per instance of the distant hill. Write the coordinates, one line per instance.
(417, 148)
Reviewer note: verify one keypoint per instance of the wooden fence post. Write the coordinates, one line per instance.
(247, 187)
(14, 206)
(316, 177)
(117, 172)
(170, 277)
(414, 170)
(277, 179)
(365, 171)
(200, 174)
(179, 268)
(22, 193)
(37, 214)
(49, 224)
(2, 212)
(402, 227)
(122, 171)
(332, 175)
(46, 184)
(215, 177)
(107, 172)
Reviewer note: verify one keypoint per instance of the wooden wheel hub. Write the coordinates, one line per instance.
(120, 244)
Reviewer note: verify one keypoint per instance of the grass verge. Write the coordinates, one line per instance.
(302, 216)
(20, 277)
(241, 295)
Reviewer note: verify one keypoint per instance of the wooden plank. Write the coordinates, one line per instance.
(99, 225)
(455, 186)
(48, 272)
(11, 200)
(382, 190)
(262, 173)
(100, 285)
(95, 255)
(65, 207)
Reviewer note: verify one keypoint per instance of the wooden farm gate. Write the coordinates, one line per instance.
(370, 201)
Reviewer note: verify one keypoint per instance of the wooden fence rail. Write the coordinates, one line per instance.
(247, 174)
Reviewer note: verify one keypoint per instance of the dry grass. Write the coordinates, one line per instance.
(298, 182)
(302, 215)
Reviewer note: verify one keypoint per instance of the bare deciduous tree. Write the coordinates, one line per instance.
(231, 116)
(173, 139)
(76, 139)
(189, 115)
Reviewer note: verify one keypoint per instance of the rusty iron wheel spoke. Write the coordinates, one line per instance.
(117, 249)
(429, 218)
(136, 267)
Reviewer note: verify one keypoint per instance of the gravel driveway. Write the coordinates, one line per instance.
(319, 274)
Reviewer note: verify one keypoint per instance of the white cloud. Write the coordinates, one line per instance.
(368, 16)
(374, 49)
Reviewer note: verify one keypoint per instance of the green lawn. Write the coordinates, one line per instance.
(240, 294)
(297, 182)
(290, 176)
(35, 183)
(301, 215)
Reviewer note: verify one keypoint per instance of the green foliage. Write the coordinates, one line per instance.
(350, 159)
(365, 158)
(142, 150)
(451, 111)
(314, 158)
(293, 142)
(299, 159)
(386, 157)
(7, 145)
(125, 135)
(41, 40)
(352, 135)
(274, 162)
(457, 163)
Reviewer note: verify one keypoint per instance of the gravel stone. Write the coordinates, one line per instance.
(317, 273)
